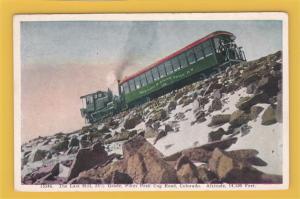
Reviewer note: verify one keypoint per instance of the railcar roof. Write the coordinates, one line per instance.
(84, 96)
(211, 35)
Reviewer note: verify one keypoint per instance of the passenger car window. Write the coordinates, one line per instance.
(208, 51)
(191, 56)
(155, 73)
(149, 77)
(131, 85)
(143, 80)
(198, 52)
(182, 60)
(175, 63)
(168, 66)
(207, 48)
(137, 82)
(126, 87)
(161, 70)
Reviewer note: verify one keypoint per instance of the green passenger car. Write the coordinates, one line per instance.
(189, 64)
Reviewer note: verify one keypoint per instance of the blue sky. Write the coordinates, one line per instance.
(63, 60)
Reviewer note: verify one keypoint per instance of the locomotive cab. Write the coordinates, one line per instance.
(227, 50)
(96, 105)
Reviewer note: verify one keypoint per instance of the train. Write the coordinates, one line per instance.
(205, 56)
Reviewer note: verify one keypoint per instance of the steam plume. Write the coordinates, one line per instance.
(140, 40)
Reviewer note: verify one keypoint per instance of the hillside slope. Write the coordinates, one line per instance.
(225, 129)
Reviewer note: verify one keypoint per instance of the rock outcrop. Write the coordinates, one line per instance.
(145, 164)
(88, 158)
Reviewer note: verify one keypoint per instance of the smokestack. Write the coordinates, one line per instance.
(119, 87)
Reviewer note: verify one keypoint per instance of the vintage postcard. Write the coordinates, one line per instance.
(151, 102)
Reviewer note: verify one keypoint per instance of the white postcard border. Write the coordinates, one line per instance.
(18, 19)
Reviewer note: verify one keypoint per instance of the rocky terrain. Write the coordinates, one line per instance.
(224, 129)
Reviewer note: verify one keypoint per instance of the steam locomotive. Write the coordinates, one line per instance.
(191, 63)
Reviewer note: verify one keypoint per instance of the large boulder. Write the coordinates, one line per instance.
(118, 177)
(47, 142)
(172, 106)
(107, 136)
(60, 146)
(223, 165)
(179, 116)
(74, 142)
(238, 117)
(243, 153)
(183, 99)
(255, 111)
(217, 94)
(59, 135)
(132, 121)
(197, 154)
(206, 176)
(84, 137)
(246, 103)
(145, 163)
(221, 144)
(136, 167)
(95, 136)
(67, 163)
(71, 150)
(47, 170)
(102, 174)
(201, 102)
(179, 94)
(254, 77)
(248, 156)
(156, 125)
(219, 119)
(37, 155)
(186, 171)
(229, 88)
(104, 128)
(269, 116)
(87, 158)
(169, 127)
(84, 144)
(203, 152)
(216, 135)
(187, 101)
(231, 170)
(150, 132)
(160, 135)
(268, 85)
(213, 84)
(160, 115)
(251, 88)
(216, 105)
(199, 115)
(113, 123)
